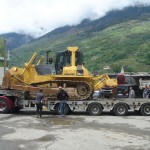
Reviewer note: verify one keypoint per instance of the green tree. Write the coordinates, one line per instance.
(116, 68)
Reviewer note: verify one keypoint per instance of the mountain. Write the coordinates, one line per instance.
(120, 38)
(15, 40)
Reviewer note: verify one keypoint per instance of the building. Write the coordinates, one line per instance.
(2, 68)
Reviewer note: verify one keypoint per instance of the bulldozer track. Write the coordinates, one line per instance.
(72, 84)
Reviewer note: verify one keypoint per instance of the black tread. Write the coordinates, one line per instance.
(118, 112)
(72, 82)
(98, 108)
(145, 112)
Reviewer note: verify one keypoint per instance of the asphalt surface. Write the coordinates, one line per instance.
(78, 131)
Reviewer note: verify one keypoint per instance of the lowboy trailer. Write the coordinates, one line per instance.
(13, 100)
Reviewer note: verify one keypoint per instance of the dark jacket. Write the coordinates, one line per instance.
(62, 95)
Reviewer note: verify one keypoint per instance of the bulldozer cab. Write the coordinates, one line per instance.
(64, 58)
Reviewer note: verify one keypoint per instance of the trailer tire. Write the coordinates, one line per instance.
(4, 108)
(57, 108)
(145, 109)
(95, 109)
(121, 109)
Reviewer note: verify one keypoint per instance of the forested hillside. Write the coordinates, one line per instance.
(121, 38)
(14, 40)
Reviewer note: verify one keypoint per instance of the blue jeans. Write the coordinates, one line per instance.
(62, 105)
(39, 109)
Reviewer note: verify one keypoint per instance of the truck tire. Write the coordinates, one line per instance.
(3, 106)
(57, 108)
(121, 109)
(145, 109)
(95, 109)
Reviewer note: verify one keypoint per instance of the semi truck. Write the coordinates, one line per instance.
(69, 72)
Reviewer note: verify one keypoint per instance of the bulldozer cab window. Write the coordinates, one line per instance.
(62, 59)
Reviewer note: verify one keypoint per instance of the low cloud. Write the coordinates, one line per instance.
(37, 17)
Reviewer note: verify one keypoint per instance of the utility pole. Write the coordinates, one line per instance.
(4, 57)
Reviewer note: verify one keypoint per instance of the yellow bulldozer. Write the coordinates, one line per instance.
(67, 70)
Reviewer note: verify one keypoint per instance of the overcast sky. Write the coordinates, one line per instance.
(37, 17)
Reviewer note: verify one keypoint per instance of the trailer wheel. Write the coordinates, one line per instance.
(4, 106)
(121, 109)
(95, 109)
(57, 108)
(145, 109)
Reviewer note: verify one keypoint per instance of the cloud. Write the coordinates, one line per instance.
(37, 17)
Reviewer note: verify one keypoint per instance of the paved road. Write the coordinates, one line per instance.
(78, 131)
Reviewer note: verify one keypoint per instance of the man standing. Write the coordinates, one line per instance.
(148, 92)
(62, 96)
(131, 93)
(38, 101)
(145, 91)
